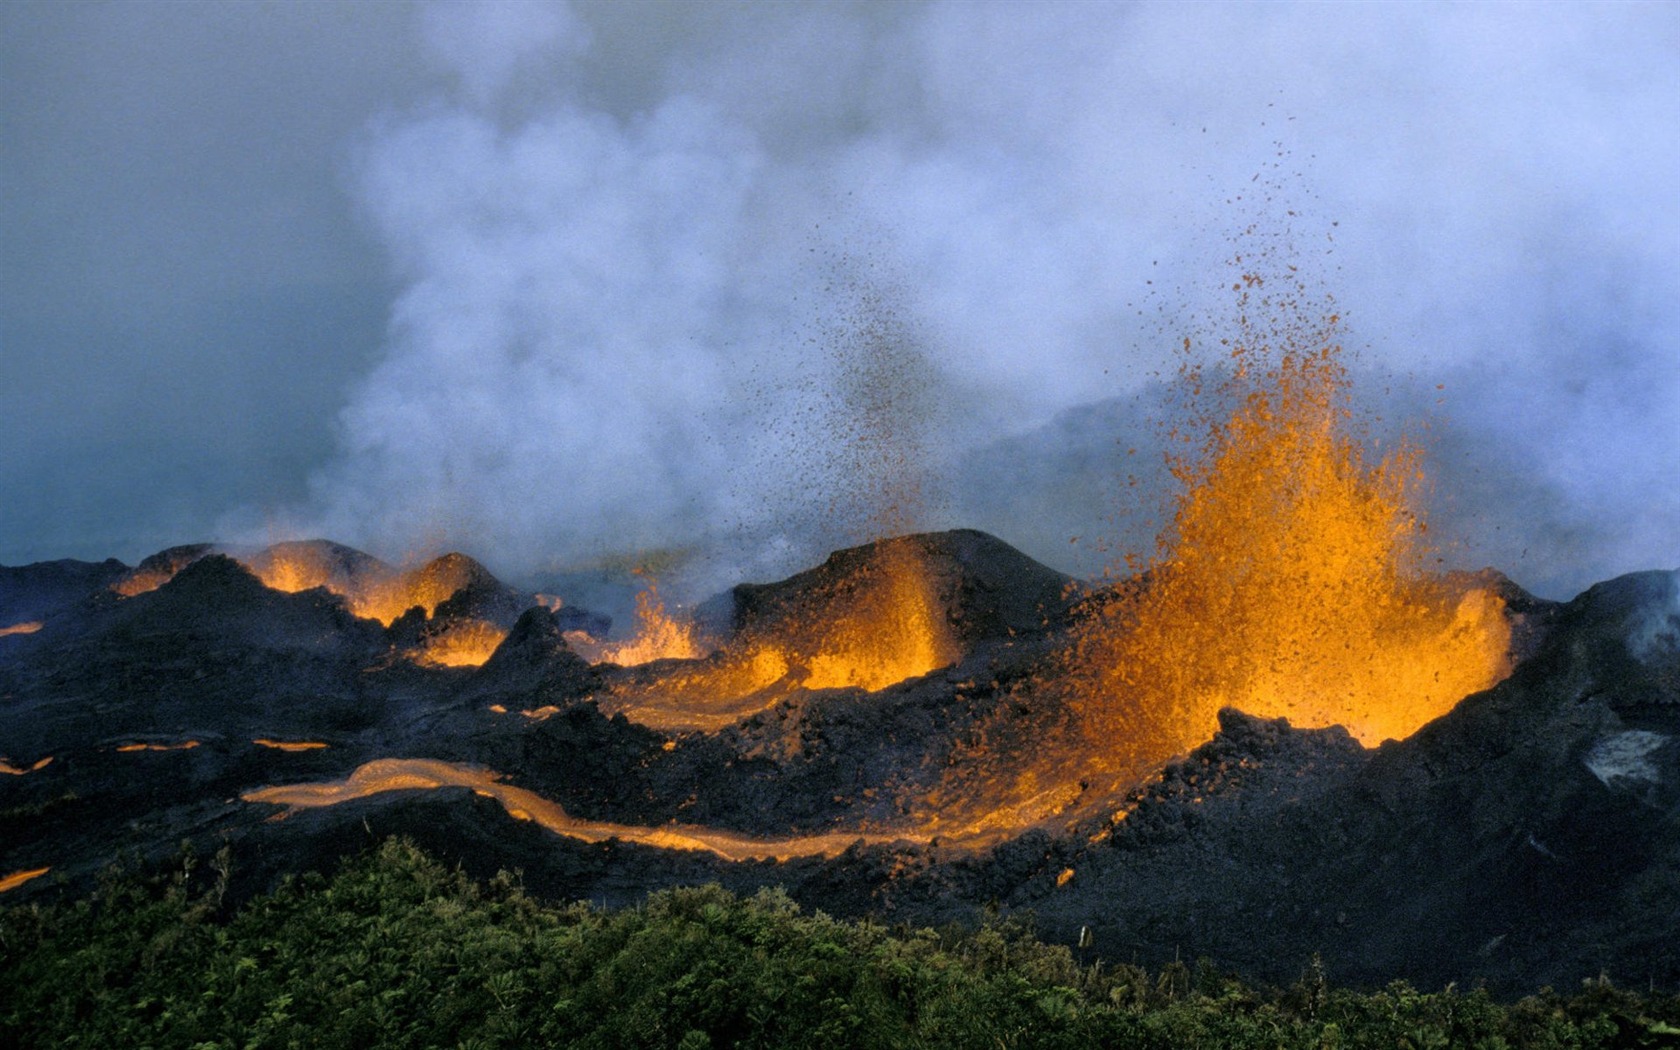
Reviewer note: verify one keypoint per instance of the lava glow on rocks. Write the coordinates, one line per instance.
(659, 636)
(871, 626)
(466, 644)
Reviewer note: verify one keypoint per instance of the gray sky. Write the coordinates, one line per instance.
(545, 283)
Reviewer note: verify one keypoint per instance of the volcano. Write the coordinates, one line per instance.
(1525, 836)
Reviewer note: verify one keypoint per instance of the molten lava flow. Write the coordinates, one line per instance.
(465, 644)
(289, 745)
(659, 636)
(399, 774)
(21, 628)
(704, 695)
(1287, 583)
(185, 745)
(8, 769)
(18, 878)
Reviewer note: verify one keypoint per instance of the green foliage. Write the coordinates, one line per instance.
(399, 951)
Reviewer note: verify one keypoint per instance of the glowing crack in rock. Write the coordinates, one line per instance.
(184, 745)
(409, 774)
(29, 627)
(8, 769)
(289, 745)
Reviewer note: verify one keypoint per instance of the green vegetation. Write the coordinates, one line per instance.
(399, 951)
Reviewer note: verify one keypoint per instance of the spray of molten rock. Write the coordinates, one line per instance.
(1289, 581)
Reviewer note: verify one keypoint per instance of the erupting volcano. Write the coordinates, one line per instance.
(928, 721)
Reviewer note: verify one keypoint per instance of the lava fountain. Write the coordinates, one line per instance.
(1289, 581)
(659, 635)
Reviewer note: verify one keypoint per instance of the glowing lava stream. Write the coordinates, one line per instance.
(289, 745)
(18, 878)
(21, 628)
(407, 774)
(8, 769)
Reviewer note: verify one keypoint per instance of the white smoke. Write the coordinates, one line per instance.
(618, 232)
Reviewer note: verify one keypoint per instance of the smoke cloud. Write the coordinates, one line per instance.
(618, 232)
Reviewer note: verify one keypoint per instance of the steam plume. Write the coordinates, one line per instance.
(614, 257)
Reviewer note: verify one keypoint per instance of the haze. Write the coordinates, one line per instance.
(553, 283)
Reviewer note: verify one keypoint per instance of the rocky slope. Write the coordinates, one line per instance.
(1527, 837)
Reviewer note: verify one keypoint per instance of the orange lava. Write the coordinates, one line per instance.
(289, 745)
(659, 636)
(141, 583)
(21, 628)
(18, 878)
(465, 644)
(373, 590)
(408, 774)
(704, 695)
(185, 745)
(871, 624)
(8, 769)
(889, 627)
(1289, 580)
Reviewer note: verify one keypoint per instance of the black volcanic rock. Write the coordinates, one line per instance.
(1530, 836)
(156, 568)
(473, 592)
(989, 587)
(218, 596)
(534, 653)
(33, 592)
